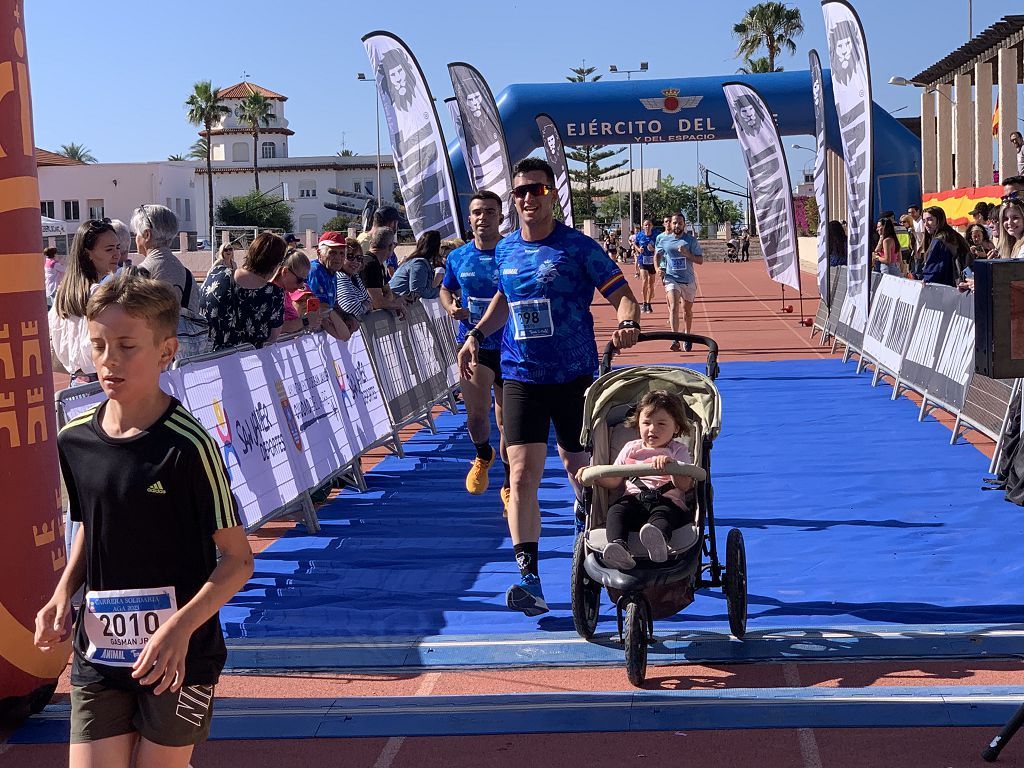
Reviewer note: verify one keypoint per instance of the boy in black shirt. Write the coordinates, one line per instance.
(150, 489)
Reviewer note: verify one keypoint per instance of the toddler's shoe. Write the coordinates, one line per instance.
(654, 541)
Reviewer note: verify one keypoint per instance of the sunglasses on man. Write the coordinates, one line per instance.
(537, 189)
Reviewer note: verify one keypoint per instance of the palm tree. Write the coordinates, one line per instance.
(255, 109)
(78, 152)
(205, 108)
(771, 25)
(591, 157)
(758, 66)
(345, 153)
(175, 158)
(199, 149)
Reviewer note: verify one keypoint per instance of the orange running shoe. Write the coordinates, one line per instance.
(506, 497)
(476, 479)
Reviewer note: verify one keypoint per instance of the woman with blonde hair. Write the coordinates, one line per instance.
(1011, 230)
(225, 255)
(94, 255)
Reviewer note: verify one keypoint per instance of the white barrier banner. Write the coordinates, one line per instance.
(891, 321)
(306, 392)
(170, 382)
(358, 392)
(233, 399)
(446, 329)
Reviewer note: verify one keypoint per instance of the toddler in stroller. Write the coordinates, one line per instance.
(655, 505)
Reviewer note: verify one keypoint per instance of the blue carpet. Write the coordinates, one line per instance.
(852, 511)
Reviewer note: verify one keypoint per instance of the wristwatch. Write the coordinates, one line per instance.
(476, 334)
(629, 324)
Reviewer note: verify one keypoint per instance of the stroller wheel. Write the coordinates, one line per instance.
(586, 593)
(635, 640)
(735, 583)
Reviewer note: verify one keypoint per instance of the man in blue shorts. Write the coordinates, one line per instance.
(547, 276)
(644, 247)
(470, 282)
(680, 251)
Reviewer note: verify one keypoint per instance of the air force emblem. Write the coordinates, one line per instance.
(670, 102)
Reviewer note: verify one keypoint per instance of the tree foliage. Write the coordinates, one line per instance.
(255, 210)
(588, 180)
(758, 66)
(773, 26)
(669, 197)
(339, 223)
(175, 158)
(205, 108)
(78, 152)
(254, 111)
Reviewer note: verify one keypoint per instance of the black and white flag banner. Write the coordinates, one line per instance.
(768, 174)
(421, 158)
(820, 175)
(483, 138)
(555, 154)
(851, 89)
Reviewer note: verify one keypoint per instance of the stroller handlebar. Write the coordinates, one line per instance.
(590, 474)
(610, 350)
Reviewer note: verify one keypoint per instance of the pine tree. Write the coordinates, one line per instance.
(592, 175)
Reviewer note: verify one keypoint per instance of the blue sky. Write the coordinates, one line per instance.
(114, 76)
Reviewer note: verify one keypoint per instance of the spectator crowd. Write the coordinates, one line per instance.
(273, 288)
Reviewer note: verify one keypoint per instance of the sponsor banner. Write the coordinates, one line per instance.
(851, 324)
(357, 391)
(769, 182)
(306, 393)
(444, 329)
(239, 406)
(851, 89)
(820, 175)
(954, 360)
(77, 400)
(934, 315)
(399, 350)
(838, 299)
(421, 158)
(483, 139)
(891, 320)
(453, 113)
(551, 140)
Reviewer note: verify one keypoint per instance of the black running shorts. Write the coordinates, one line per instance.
(491, 358)
(172, 719)
(530, 410)
(649, 268)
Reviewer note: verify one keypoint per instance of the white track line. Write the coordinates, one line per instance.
(808, 744)
(390, 751)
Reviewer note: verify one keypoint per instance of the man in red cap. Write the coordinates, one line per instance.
(323, 273)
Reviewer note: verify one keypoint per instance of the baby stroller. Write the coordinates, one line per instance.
(653, 591)
(730, 250)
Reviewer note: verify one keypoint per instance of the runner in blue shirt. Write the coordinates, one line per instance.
(470, 282)
(680, 251)
(547, 277)
(644, 244)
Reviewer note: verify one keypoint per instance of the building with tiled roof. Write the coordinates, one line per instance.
(231, 139)
(45, 158)
(245, 88)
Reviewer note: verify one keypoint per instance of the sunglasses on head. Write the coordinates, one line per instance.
(98, 223)
(537, 189)
(1011, 197)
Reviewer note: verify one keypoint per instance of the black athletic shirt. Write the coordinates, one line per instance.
(374, 273)
(149, 505)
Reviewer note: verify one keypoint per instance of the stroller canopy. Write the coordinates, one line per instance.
(628, 385)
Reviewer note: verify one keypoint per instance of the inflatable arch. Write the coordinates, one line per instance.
(694, 109)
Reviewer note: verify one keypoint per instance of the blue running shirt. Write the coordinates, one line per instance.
(642, 242)
(677, 266)
(474, 274)
(549, 285)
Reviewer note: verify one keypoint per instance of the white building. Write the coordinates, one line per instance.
(75, 192)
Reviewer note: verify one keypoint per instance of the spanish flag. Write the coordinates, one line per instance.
(995, 118)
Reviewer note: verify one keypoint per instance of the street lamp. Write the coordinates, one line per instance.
(807, 149)
(376, 103)
(628, 72)
(897, 80)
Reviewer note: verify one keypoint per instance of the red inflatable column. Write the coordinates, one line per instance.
(32, 542)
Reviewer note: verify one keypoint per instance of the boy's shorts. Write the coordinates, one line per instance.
(181, 719)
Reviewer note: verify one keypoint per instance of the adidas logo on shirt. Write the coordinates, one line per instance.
(156, 487)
